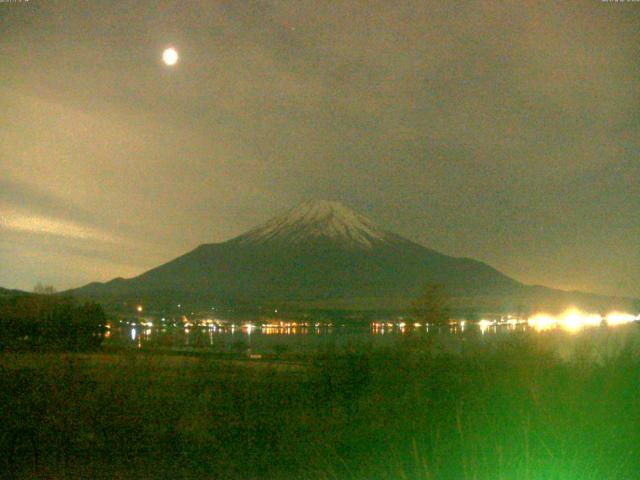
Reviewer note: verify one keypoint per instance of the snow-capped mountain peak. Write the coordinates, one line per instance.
(318, 219)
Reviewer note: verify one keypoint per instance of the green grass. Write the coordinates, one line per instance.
(504, 410)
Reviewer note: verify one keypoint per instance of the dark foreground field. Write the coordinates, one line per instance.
(509, 410)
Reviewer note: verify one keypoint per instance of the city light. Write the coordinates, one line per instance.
(542, 321)
(573, 320)
(484, 325)
(617, 318)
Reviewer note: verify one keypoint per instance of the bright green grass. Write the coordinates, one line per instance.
(508, 410)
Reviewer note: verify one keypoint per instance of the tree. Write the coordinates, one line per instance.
(50, 322)
(432, 305)
(44, 289)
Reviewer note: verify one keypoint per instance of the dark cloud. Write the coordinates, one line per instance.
(504, 131)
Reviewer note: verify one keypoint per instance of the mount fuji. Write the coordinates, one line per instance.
(322, 254)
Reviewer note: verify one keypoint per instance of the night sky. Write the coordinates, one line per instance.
(508, 132)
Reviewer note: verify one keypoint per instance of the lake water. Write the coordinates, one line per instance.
(252, 339)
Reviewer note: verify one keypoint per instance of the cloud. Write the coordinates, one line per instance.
(38, 224)
(499, 130)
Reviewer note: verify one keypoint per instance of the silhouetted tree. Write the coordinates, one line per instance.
(48, 321)
(432, 305)
(44, 289)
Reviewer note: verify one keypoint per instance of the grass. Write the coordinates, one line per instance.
(505, 410)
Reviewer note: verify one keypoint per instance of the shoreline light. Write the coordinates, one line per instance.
(573, 320)
(618, 318)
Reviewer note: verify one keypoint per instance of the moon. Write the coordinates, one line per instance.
(170, 56)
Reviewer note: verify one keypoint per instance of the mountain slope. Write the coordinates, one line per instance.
(319, 252)
(4, 292)
(318, 220)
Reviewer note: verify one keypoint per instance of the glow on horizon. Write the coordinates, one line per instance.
(573, 320)
(618, 318)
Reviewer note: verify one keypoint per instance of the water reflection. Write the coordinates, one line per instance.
(237, 336)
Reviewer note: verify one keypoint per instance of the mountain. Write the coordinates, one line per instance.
(4, 292)
(318, 220)
(321, 254)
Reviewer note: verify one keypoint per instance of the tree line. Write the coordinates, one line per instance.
(46, 321)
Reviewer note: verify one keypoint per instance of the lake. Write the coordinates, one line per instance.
(254, 339)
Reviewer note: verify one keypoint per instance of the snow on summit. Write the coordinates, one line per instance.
(318, 219)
